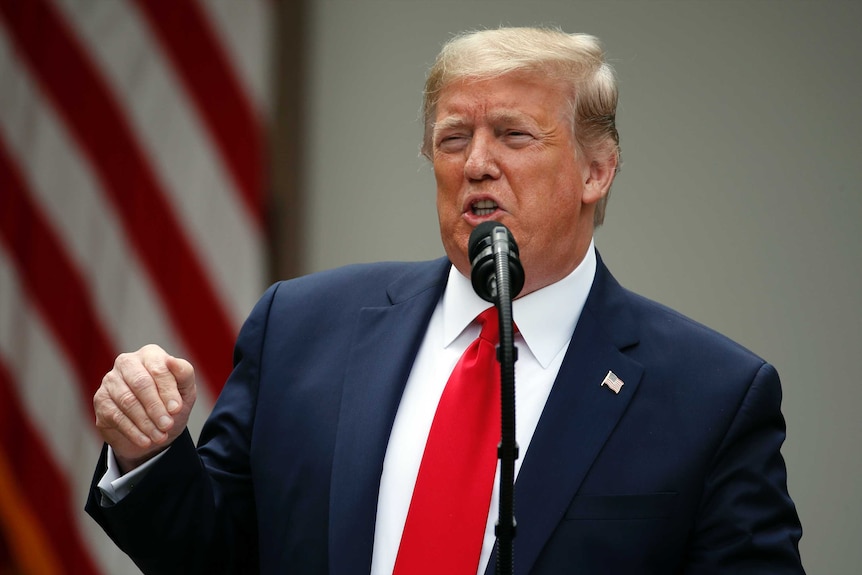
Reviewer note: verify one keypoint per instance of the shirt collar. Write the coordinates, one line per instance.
(545, 318)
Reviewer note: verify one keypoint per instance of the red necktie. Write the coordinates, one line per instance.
(446, 521)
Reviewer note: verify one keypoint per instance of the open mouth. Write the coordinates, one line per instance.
(484, 207)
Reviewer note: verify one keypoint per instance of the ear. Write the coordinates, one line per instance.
(599, 177)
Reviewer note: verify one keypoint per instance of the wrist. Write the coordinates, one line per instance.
(125, 464)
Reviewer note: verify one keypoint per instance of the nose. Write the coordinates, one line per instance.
(481, 161)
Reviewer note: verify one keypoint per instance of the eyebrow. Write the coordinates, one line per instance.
(500, 117)
(448, 123)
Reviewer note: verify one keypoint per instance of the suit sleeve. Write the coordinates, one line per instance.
(194, 511)
(747, 522)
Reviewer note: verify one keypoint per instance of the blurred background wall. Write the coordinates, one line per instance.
(151, 152)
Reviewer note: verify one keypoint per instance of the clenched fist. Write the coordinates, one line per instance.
(144, 404)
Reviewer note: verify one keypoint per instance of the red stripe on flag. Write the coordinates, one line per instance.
(207, 75)
(46, 489)
(52, 280)
(95, 118)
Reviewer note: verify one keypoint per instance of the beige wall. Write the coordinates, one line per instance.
(739, 202)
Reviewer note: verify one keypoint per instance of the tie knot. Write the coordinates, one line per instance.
(490, 323)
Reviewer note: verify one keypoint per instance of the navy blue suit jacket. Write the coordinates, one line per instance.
(678, 473)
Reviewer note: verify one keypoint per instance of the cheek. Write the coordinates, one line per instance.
(448, 205)
(554, 214)
(447, 170)
(448, 188)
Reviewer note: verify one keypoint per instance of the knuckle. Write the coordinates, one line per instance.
(150, 348)
(140, 380)
(153, 407)
(159, 370)
(127, 401)
(108, 416)
(102, 409)
(104, 423)
(109, 380)
(99, 397)
(124, 360)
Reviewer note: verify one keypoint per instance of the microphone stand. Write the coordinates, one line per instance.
(499, 282)
(507, 450)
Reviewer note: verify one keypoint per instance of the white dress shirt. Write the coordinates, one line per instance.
(545, 319)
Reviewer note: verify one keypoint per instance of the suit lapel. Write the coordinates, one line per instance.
(578, 419)
(385, 344)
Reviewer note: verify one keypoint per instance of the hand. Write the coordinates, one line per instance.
(144, 404)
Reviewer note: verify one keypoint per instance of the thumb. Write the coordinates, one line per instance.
(184, 374)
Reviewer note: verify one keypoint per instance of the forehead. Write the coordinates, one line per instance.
(512, 97)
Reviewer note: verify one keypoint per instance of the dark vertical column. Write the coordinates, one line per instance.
(285, 211)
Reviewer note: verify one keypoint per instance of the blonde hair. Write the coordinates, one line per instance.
(576, 59)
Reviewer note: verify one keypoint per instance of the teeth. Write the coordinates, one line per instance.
(484, 207)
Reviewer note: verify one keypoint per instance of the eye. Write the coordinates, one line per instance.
(452, 142)
(517, 137)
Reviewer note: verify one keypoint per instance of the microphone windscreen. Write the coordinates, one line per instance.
(481, 250)
(481, 232)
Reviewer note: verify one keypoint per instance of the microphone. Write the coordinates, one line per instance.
(489, 242)
(498, 277)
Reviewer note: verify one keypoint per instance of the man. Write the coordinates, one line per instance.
(649, 444)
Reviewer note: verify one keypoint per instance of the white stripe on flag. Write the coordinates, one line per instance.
(236, 22)
(168, 128)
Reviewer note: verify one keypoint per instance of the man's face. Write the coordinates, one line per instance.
(503, 150)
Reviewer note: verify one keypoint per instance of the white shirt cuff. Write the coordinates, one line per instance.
(114, 485)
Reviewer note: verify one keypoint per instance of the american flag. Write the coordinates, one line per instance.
(131, 211)
(613, 382)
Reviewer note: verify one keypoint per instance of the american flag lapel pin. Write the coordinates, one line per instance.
(614, 383)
